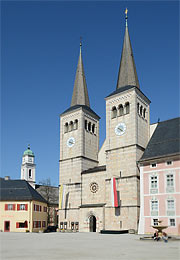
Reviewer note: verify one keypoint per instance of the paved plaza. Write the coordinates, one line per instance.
(84, 246)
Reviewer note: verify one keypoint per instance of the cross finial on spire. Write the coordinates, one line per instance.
(29, 146)
(126, 12)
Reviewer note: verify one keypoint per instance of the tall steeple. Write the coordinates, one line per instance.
(80, 93)
(127, 70)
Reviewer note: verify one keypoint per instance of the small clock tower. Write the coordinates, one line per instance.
(28, 167)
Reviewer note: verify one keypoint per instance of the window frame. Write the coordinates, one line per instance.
(169, 220)
(153, 190)
(156, 212)
(151, 165)
(153, 222)
(170, 163)
(10, 207)
(171, 188)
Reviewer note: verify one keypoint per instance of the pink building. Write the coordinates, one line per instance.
(160, 179)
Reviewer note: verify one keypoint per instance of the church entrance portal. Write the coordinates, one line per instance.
(92, 224)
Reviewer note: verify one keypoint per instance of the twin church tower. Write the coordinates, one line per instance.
(92, 180)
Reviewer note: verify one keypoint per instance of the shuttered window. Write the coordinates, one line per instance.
(10, 206)
(22, 207)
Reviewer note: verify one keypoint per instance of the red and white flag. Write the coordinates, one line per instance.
(114, 196)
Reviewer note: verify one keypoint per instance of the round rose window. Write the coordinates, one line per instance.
(93, 187)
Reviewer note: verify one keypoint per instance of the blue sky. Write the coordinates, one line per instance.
(40, 49)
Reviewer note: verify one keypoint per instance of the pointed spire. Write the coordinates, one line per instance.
(80, 93)
(127, 71)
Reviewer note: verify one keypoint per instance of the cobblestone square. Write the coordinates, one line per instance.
(82, 246)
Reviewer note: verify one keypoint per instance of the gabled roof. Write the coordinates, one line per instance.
(165, 140)
(84, 108)
(80, 92)
(18, 190)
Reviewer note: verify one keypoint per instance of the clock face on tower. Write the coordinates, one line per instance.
(120, 129)
(70, 142)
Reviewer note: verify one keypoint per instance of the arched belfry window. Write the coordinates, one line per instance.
(127, 108)
(114, 112)
(138, 108)
(66, 128)
(30, 173)
(93, 128)
(85, 124)
(89, 126)
(141, 110)
(75, 124)
(120, 110)
(71, 126)
(144, 113)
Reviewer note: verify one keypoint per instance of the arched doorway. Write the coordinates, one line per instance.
(92, 223)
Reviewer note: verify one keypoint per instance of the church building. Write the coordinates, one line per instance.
(100, 189)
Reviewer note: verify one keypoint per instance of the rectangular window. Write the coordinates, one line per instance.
(36, 224)
(154, 205)
(153, 165)
(170, 180)
(77, 226)
(72, 225)
(37, 208)
(43, 223)
(172, 222)
(169, 163)
(10, 206)
(170, 204)
(65, 225)
(155, 222)
(61, 225)
(154, 182)
(22, 206)
(22, 224)
(45, 209)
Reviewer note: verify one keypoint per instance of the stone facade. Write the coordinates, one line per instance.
(86, 172)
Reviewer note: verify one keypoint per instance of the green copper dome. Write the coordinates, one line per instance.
(28, 152)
